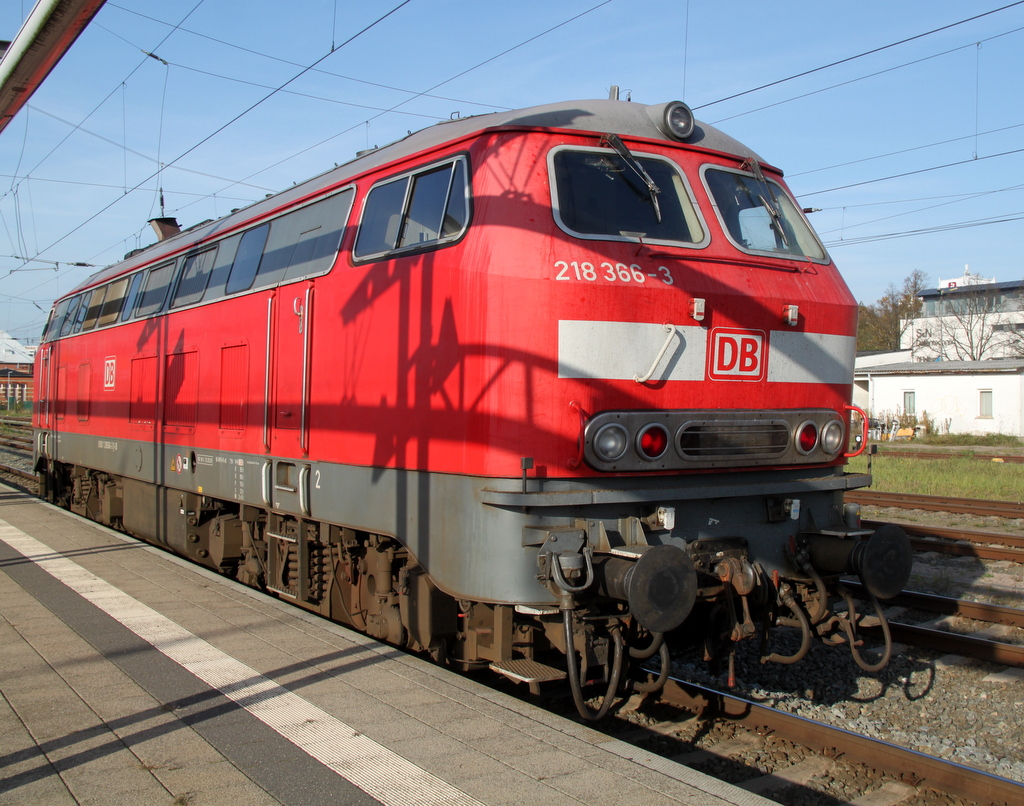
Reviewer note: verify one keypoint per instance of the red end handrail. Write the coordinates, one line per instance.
(864, 436)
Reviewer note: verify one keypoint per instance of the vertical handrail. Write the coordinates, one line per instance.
(266, 482)
(266, 375)
(864, 425)
(306, 335)
(304, 489)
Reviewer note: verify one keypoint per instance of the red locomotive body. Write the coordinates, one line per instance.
(539, 382)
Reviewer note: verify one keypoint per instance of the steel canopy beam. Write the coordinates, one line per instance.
(50, 30)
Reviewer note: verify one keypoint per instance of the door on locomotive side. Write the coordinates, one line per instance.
(291, 322)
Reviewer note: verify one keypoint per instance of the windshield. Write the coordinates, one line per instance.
(598, 194)
(759, 215)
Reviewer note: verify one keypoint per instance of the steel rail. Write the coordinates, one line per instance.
(948, 606)
(938, 503)
(17, 471)
(946, 777)
(953, 643)
(965, 550)
(974, 646)
(970, 535)
(986, 457)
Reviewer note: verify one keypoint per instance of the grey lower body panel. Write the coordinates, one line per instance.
(467, 531)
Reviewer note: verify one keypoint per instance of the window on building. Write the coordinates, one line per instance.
(985, 403)
(909, 403)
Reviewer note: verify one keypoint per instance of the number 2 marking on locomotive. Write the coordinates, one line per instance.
(318, 479)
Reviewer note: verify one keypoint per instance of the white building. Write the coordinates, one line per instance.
(969, 318)
(959, 397)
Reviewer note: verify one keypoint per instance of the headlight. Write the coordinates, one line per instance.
(610, 442)
(673, 119)
(832, 436)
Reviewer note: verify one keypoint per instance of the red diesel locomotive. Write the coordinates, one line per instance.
(539, 390)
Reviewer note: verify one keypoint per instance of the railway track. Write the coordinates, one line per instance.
(891, 774)
(983, 644)
(962, 542)
(938, 503)
(981, 457)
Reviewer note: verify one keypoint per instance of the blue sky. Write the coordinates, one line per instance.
(914, 153)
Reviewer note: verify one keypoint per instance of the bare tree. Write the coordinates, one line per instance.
(882, 326)
(976, 323)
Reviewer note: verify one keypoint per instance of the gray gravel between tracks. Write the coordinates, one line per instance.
(951, 707)
(17, 459)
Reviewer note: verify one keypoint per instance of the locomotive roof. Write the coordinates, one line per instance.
(599, 116)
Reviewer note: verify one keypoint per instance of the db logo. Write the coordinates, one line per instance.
(109, 372)
(737, 355)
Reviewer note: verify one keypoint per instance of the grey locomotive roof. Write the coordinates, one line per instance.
(621, 117)
(946, 367)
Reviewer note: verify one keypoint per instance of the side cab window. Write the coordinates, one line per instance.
(424, 208)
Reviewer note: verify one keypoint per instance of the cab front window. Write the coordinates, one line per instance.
(600, 194)
(759, 216)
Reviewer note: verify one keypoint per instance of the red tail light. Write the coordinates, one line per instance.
(652, 441)
(806, 437)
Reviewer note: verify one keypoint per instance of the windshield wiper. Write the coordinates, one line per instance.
(627, 156)
(770, 204)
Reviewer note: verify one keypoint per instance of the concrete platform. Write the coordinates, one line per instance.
(130, 677)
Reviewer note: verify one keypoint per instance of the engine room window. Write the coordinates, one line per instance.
(247, 259)
(155, 292)
(112, 304)
(69, 319)
(92, 313)
(597, 194)
(759, 216)
(194, 277)
(53, 327)
(421, 209)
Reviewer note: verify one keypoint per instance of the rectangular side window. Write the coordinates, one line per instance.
(92, 311)
(112, 304)
(69, 319)
(909, 403)
(132, 296)
(194, 277)
(413, 211)
(56, 320)
(155, 290)
(985, 403)
(382, 217)
(247, 259)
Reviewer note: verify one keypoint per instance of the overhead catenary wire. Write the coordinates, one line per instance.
(429, 94)
(859, 55)
(225, 125)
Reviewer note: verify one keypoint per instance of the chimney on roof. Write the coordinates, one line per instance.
(165, 227)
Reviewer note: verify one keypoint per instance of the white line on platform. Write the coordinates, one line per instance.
(379, 772)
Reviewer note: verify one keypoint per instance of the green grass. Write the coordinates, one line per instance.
(983, 440)
(955, 477)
